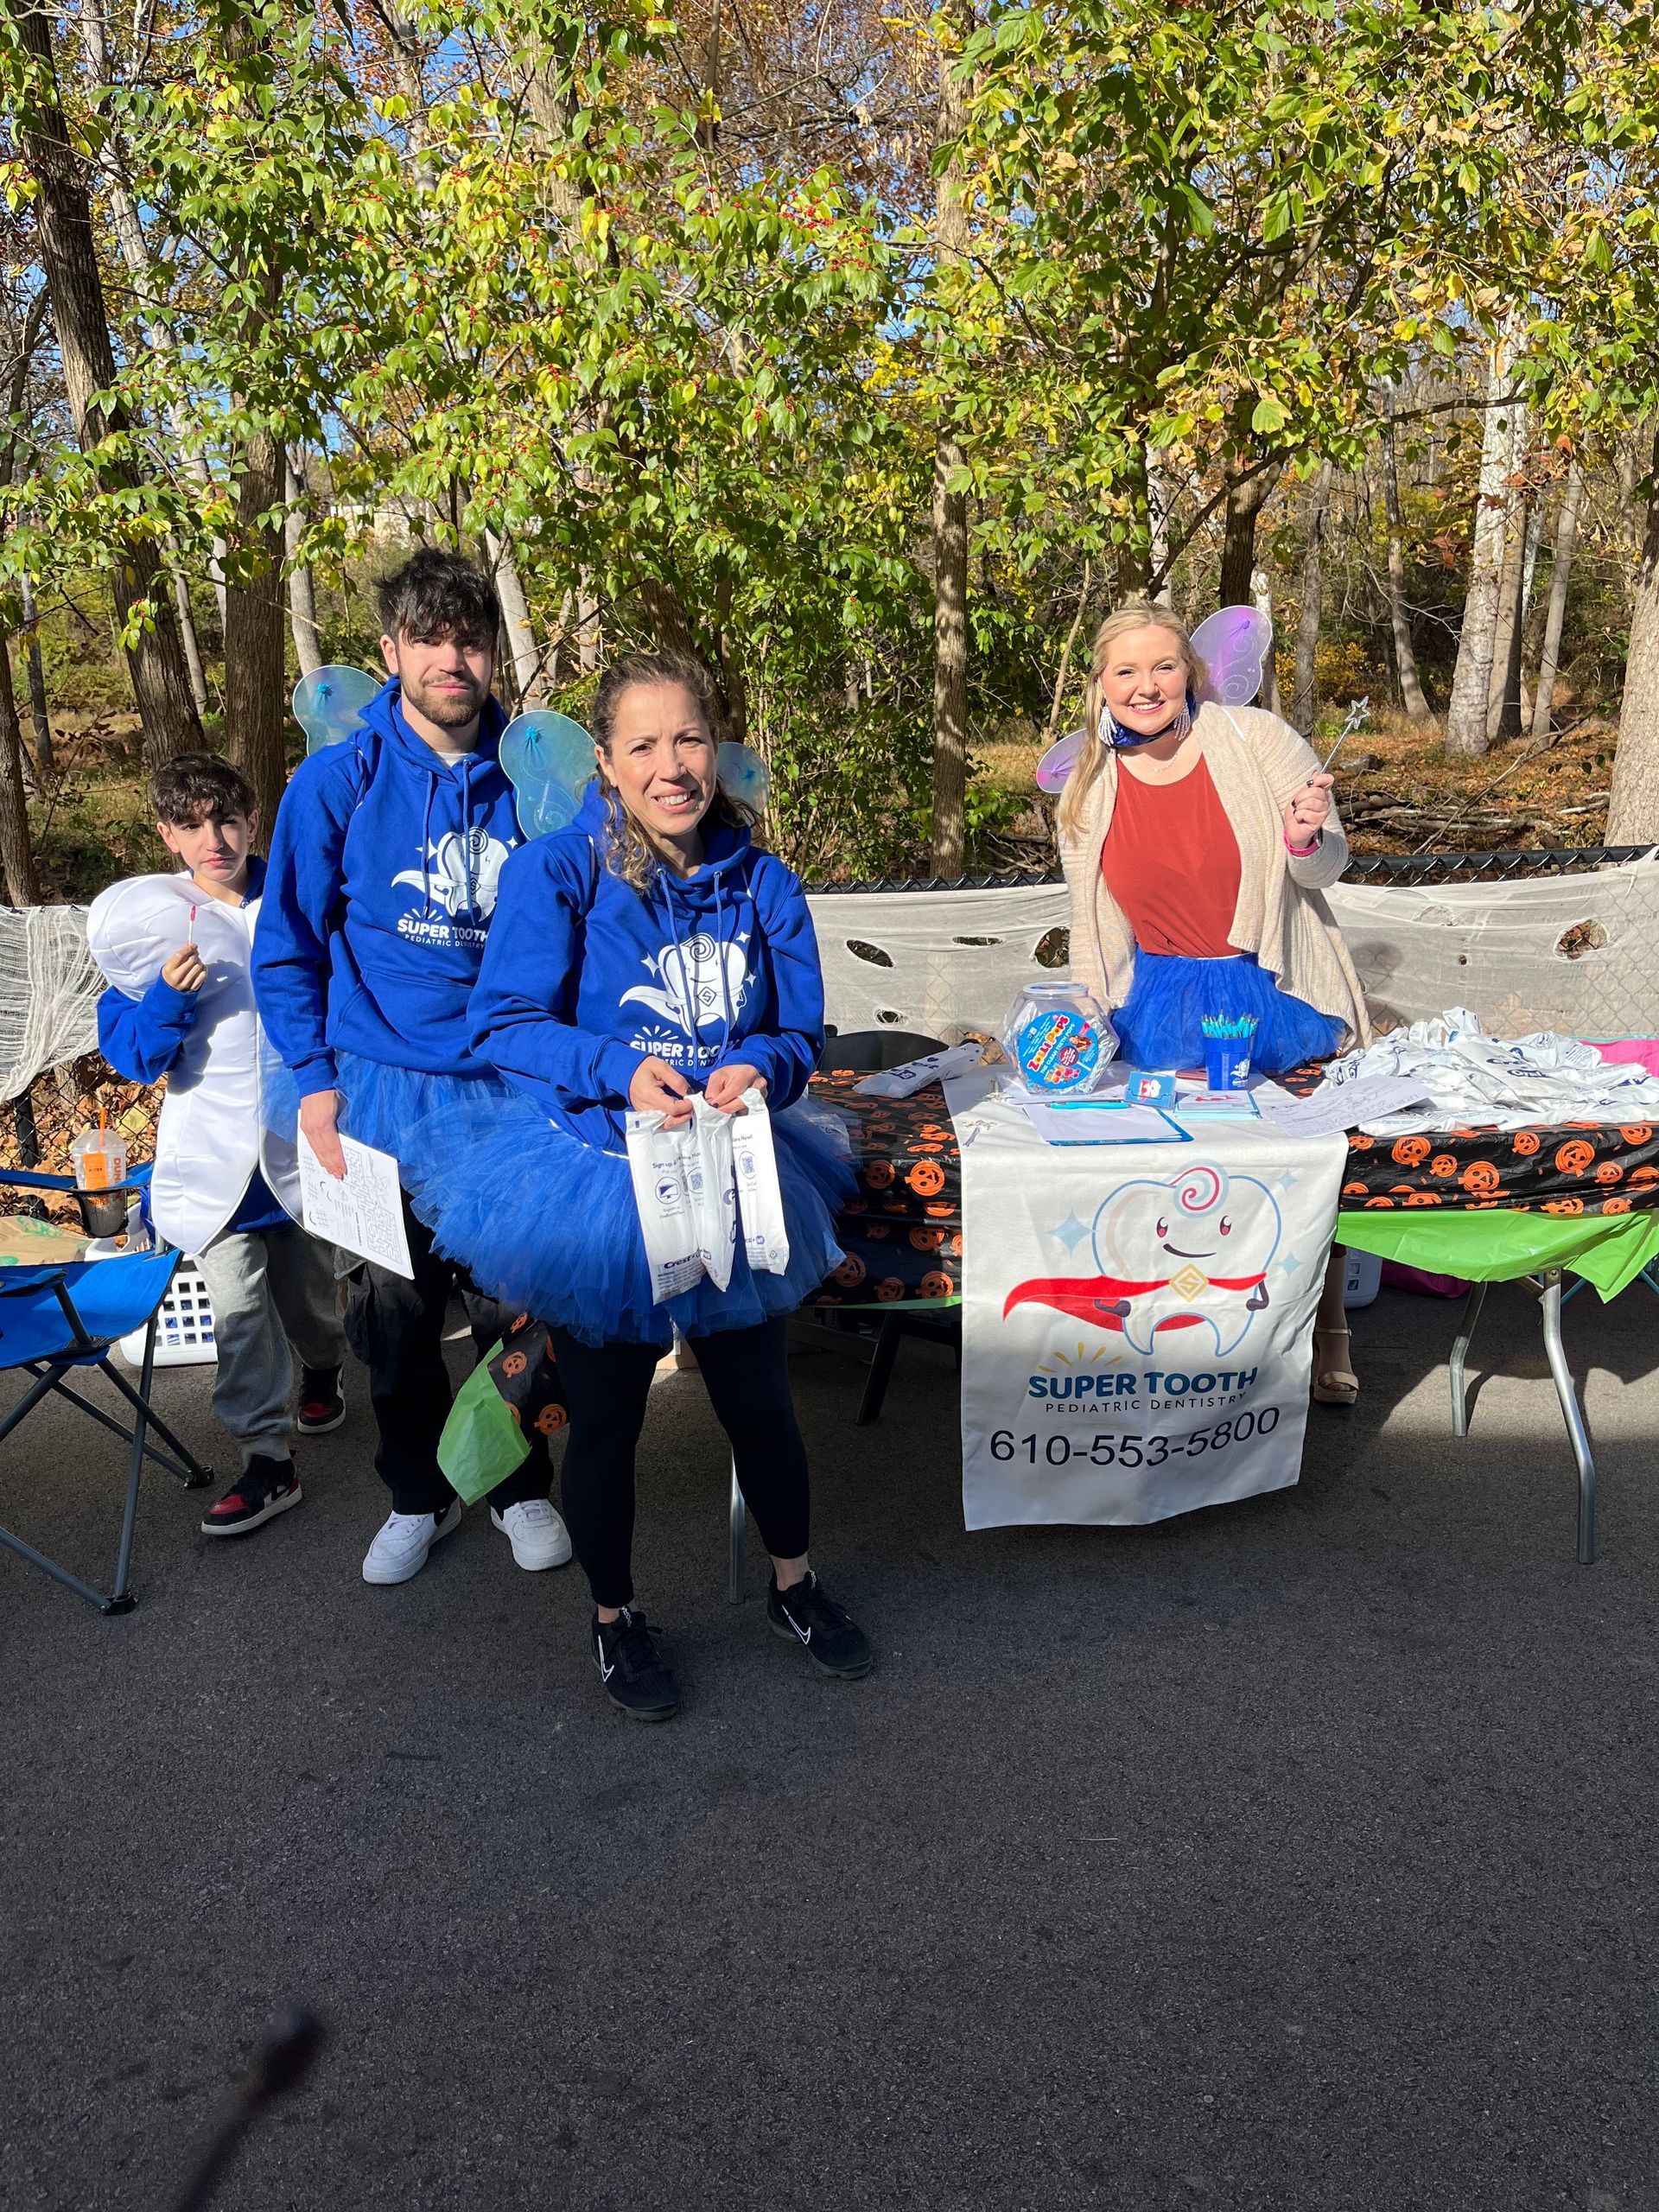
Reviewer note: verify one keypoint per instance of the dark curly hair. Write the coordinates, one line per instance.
(190, 786)
(436, 594)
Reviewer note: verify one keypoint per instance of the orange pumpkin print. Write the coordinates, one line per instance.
(1610, 1172)
(1355, 1190)
(518, 1325)
(1371, 1204)
(927, 1240)
(1563, 1206)
(1526, 1142)
(926, 1179)
(1411, 1152)
(551, 1418)
(1616, 1205)
(942, 1211)
(877, 1174)
(1480, 1176)
(850, 1272)
(518, 1418)
(955, 1246)
(936, 1284)
(514, 1363)
(1637, 1133)
(1358, 1142)
(1574, 1157)
(888, 1289)
(1443, 1164)
(1425, 1199)
(1642, 1177)
(878, 1230)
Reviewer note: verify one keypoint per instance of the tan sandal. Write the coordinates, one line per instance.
(1332, 1386)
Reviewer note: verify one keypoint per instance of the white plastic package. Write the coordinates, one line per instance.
(759, 1201)
(685, 1195)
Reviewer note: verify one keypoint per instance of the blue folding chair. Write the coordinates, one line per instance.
(54, 1319)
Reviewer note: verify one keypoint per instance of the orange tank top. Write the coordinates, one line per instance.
(1171, 862)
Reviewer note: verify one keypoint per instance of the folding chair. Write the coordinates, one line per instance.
(54, 1319)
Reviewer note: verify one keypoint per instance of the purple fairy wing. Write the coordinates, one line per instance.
(1233, 645)
(1059, 761)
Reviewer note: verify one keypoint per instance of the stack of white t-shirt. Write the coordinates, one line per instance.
(1498, 1083)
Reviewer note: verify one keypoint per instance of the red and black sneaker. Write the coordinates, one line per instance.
(321, 1406)
(267, 1487)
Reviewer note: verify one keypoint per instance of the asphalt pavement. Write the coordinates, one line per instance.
(1297, 1854)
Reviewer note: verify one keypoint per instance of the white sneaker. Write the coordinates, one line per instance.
(537, 1535)
(400, 1549)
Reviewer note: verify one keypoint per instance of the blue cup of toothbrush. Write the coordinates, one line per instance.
(1227, 1040)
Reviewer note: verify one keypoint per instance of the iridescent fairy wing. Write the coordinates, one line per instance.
(1059, 761)
(743, 775)
(328, 703)
(549, 760)
(1233, 645)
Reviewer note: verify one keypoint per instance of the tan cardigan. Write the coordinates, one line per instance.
(1256, 762)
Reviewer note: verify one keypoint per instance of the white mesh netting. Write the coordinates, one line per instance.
(48, 991)
(1576, 953)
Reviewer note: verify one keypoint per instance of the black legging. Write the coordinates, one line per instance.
(606, 1388)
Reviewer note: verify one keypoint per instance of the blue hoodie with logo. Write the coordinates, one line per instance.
(381, 885)
(583, 977)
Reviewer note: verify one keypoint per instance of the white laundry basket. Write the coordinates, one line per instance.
(1363, 1280)
(184, 1323)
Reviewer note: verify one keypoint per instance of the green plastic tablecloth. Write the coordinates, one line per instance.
(1609, 1250)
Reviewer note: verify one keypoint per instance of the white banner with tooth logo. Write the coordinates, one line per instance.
(1136, 1319)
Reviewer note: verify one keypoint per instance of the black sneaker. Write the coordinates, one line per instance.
(267, 1488)
(806, 1612)
(635, 1672)
(321, 1406)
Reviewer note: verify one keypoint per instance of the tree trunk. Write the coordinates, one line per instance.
(1405, 652)
(154, 660)
(1567, 535)
(39, 712)
(1262, 599)
(1247, 494)
(301, 586)
(1503, 685)
(949, 515)
(17, 855)
(1466, 721)
(187, 636)
(1633, 811)
(527, 670)
(1307, 627)
(254, 693)
(1159, 502)
(1063, 674)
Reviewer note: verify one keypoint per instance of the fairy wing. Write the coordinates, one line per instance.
(328, 703)
(1059, 761)
(549, 760)
(1233, 644)
(743, 775)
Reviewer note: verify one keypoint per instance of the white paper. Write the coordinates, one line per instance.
(1335, 1107)
(363, 1213)
(1096, 1124)
(759, 1201)
(656, 1164)
(915, 1075)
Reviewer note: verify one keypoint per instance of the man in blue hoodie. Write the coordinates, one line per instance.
(381, 883)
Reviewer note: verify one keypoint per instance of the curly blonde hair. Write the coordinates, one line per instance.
(629, 852)
(1135, 614)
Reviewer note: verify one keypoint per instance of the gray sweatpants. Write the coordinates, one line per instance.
(269, 1288)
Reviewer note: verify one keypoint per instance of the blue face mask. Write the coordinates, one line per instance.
(1125, 741)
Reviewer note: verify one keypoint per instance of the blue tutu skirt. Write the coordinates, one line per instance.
(548, 1225)
(1158, 1025)
(380, 1106)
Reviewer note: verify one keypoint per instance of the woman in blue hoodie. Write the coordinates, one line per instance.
(649, 950)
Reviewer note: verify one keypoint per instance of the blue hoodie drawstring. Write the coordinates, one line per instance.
(425, 848)
(679, 931)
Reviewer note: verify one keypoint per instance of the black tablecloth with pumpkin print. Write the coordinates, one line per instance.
(902, 1229)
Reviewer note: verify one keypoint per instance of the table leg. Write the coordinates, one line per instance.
(1476, 1299)
(1549, 1291)
(735, 1543)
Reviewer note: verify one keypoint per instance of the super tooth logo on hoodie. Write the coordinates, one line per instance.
(462, 875)
(699, 980)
